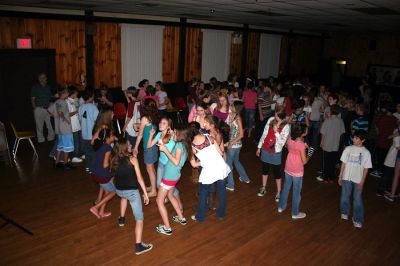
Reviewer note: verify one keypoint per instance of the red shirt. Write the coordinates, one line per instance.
(131, 108)
(154, 98)
(270, 140)
(288, 106)
(385, 124)
(249, 99)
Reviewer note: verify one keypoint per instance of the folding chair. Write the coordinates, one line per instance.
(21, 135)
(180, 107)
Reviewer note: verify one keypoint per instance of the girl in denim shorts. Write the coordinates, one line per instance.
(128, 179)
(101, 170)
(148, 122)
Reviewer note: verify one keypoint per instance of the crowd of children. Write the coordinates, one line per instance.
(283, 119)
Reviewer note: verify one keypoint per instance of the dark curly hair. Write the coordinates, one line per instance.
(297, 130)
(150, 111)
(222, 127)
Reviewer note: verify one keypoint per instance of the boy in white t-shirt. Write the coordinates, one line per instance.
(356, 160)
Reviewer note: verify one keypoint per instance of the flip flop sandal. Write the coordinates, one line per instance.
(95, 212)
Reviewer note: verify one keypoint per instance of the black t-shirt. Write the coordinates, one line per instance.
(350, 116)
(125, 176)
(100, 104)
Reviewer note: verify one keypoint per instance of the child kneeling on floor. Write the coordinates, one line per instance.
(101, 170)
(356, 160)
(128, 178)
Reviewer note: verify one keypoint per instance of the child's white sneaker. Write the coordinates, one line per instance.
(262, 192)
(301, 215)
(76, 160)
(277, 196)
(357, 225)
(344, 216)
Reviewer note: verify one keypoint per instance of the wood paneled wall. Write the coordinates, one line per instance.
(306, 52)
(236, 56)
(283, 54)
(253, 52)
(67, 37)
(170, 54)
(194, 43)
(107, 55)
(355, 48)
(305, 55)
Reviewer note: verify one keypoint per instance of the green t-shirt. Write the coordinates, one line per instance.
(172, 172)
(146, 134)
(42, 95)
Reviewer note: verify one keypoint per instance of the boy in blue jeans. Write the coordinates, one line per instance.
(356, 160)
(87, 114)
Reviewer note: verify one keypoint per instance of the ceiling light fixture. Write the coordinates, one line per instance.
(212, 10)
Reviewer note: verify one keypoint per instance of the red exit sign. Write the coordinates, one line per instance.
(24, 43)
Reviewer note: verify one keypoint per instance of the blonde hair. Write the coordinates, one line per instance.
(222, 95)
(281, 114)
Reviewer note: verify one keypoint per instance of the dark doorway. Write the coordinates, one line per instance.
(18, 73)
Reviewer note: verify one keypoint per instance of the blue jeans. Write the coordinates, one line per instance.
(160, 175)
(135, 200)
(249, 115)
(88, 152)
(296, 197)
(203, 193)
(233, 158)
(77, 144)
(109, 187)
(358, 209)
(314, 133)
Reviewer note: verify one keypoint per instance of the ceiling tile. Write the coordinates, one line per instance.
(296, 14)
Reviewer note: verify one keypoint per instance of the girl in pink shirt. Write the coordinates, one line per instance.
(151, 94)
(249, 101)
(294, 169)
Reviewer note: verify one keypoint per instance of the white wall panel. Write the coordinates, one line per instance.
(141, 51)
(215, 54)
(270, 49)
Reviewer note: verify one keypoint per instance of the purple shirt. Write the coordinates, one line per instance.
(221, 115)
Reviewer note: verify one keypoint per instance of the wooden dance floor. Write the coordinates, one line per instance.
(55, 206)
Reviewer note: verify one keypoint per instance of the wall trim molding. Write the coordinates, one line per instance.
(61, 14)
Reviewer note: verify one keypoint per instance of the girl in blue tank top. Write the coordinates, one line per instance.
(148, 122)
